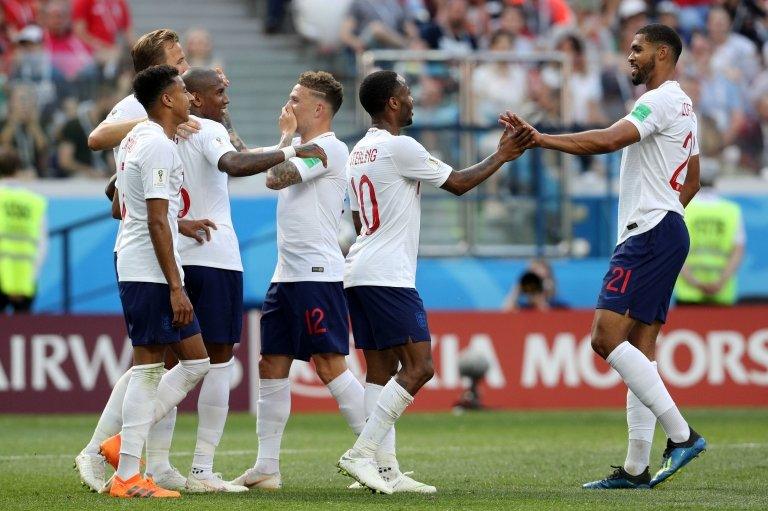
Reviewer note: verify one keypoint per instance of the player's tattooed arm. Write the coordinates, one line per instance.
(234, 138)
(283, 175)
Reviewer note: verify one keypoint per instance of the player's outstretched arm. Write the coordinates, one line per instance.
(162, 242)
(512, 144)
(108, 135)
(618, 136)
(238, 164)
(691, 185)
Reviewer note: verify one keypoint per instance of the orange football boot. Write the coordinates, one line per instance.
(110, 449)
(139, 487)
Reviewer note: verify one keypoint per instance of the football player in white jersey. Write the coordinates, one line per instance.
(659, 177)
(158, 313)
(213, 272)
(305, 312)
(385, 172)
(154, 48)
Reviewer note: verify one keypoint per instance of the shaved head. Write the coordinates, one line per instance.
(199, 79)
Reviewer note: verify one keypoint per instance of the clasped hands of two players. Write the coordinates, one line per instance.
(517, 137)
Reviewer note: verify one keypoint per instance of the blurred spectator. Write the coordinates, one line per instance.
(69, 54)
(499, 86)
(693, 14)
(584, 92)
(752, 141)
(669, 14)
(451, 30)
(23, 237)
(372, 24)
(733, 55)
(720, 98)
(198, 47)
(22, 132)
(320, 21)
(718, 237)
(543, 15)
(105, 26)
(749, 18)
(535, 289)
(73, 156)
(32, 65)
(19, 13)
(273, 22)
(512, 21)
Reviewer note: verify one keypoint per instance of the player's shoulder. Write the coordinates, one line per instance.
(332, 143)
(126, 109)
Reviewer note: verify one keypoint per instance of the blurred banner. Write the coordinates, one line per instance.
(68, 364)
(707, 357)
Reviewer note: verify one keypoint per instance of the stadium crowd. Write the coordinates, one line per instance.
(64, 63)
(723, 69)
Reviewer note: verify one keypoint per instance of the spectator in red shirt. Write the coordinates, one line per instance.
(69, 54)
(105, 26)
(19, 13)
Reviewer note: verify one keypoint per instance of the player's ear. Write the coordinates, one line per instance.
(167, 100)
(662, 51)
(393, 103)
(196, 100)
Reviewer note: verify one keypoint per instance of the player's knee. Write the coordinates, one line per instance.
(326, 372)
(600, 344)
(425, 370)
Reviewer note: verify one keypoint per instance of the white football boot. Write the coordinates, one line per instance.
(401, 483)
(211, 483)
(90, 467)
(364, 471)
(252, 478)
(171, 479)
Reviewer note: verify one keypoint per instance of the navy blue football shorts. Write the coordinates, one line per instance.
(384, 317)
(644, 269)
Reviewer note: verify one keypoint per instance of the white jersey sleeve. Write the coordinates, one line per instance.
(128, 109)
(215, 143)
(650, 113)
(413, 161)
(155, 169)
(309, 168)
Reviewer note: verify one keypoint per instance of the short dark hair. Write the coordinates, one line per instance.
(376, 90)
(324, 83)
(661, 34)
(149, 50)
(197, 79)
(150, 84)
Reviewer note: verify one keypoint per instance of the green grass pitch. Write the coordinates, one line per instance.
(482, 461)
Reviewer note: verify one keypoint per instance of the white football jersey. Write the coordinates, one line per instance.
(205, 194)
(127, 109)
(653, 169)
(148, 167)
(308, 217)
(384, 175)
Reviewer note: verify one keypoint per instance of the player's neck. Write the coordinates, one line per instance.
(660, 78)
(168, 124)
(386, 125)
(315, 131)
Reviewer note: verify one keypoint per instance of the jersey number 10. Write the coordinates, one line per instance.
(365, 184)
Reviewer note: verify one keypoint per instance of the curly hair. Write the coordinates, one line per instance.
(376, 90)
(325, 84)
(150, 84)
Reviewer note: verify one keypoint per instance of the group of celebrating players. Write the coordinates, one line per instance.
(175, 150)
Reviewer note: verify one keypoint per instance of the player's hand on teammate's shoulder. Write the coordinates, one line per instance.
(287, 120)
(182, 308)
(312, 150)
(187, 129)
(199, 230)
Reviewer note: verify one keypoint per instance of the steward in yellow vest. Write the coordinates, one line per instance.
(22, 242)
(717, 246)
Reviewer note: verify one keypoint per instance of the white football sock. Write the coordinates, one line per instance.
(385, 456)
(138, 415)
(272, 411)
(111, 419)
(391, 404)
(644, 381)
(212, 409)
(641, 423)
(348, 392)
(177, 383)
(159, 442)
